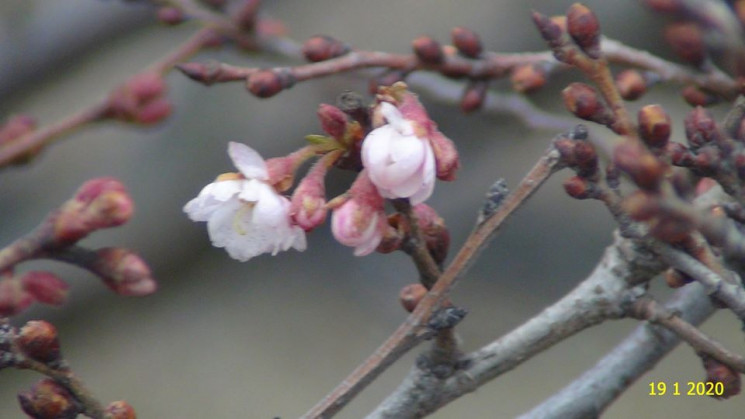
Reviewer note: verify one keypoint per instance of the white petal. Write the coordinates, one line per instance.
(271, 208)
(210, 198)
(248, 161)
(396, 119)
(428, 176)
(392, 158)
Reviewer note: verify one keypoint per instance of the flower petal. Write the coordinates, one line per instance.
(248, 161)
(211, 198)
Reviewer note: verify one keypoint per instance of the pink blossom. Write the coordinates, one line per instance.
(360, 221)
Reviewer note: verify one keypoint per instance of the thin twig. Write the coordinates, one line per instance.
(411, 331)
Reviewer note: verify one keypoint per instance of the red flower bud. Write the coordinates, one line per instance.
(38, 340)
(584, 102)
(267, 83)
(701, 128)
(645, 169)
(124, 272)
(631, 84)
(687, 42)
(467, 42)
(98, 203)
(428, 50)
(322, 48)
(411, 295)
(436, 234)
(578, 188)
(528, 78)
(716, 372)
(333, 120)
(474, 96)
(584, 28)
(694, 96)
(120, 410)
(49, 400)
(654, 125)
(45, 287)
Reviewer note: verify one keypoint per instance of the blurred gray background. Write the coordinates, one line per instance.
(272, 336)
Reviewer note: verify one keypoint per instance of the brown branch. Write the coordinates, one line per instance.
(414, 328)
(603, 295)
(647, 308)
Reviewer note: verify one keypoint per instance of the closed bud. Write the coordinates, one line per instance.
(333, 120)
(528, 78)
(428, 50)
(584, 102)
(654, 125)
(676, 279)
(679, 154)
(124, 272)
(411, 295)
(245, 15)
(432, 227)
(267, 83)
(643, 167)
(120, 410)
(717, 372)
(687, 42)
(700, 128)
(45, 287)
(323, 47)
(578, 187)
(49, 400)
(308, 203)
(585, 158)
(584, 28)
(694, 96)
(631, 84)
(98, 203)
(551, 31)
(170, 15)
(447, 161)
(38, 340)
(474, 96)
(565, 147)
(140, 99)
(467, 42)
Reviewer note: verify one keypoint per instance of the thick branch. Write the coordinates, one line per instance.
(590, 394)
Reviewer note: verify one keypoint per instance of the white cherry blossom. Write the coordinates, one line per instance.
(245, 214)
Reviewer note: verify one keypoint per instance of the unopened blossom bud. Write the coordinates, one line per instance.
(686, 40)
(360, 221)
(245, 15)
(717, 372)
(565, 147)
(585, 159)
(584, 28)
(631, 84)
(584, 102)
(170, 15)
(528, 78)
(13, 298)
(695, 96)
(411, 295)
(552, 31)
(124, 272)
(45, 287)
(120, 410)
(48, 400)
(474, 96)
(323, 47)
(643, 167)
(98, 203)
(428, 50)
(38, 340)
(267, 83)
(654, 125)
(141, 99)
(333, 120)
(578, 188)
(434, 231)
(467, 41)
(308, 203)
(701, 128)
(679, 154)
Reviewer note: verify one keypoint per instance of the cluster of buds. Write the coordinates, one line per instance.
(141, 100)
(394, 145)
(48, 399)
(97, 204)
(580, 155)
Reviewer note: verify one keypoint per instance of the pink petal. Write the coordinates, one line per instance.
(248, 161)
